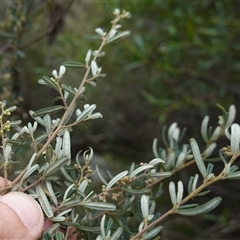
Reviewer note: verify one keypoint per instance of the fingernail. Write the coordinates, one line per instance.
(26, 208)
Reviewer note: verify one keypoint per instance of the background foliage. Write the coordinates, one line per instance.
(180, 61)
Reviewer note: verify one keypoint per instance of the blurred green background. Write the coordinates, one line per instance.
(181, 59)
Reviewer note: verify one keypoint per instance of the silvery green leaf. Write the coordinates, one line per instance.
(31, 160)
(59, 235)
(66, 175)
(180, 159)
(152, 207)
(44, 167)
(15, 136)
(227, 134)
(190, 182)
(179, 192)
(194, 185)
(13, 142)
(86, 112)
(235, 137)
(170, 161)
(159, 174)
(74, 64)
(11, 109)
(15, 123)
(119, 36)
(7, 152)
(56, 166)
(101, 176)
(203, 193)
(172, 192)
(96, 115)
(42, 198)
(222, 157)
(99, 206)
(209, 168)
(40, 138)
(94, 67)
(156, 161)
(67, 145)
(102, 226)
(140, 169)
(208, 152)
(171, 129)
(88, 56)
(206, 207)
(70, 113)
(58, 219)
(69, 89)
(204, 129)
(216, 134)
(192, 205)
(231, 115)
(64, 212)
(136, 191)
(67, 191)
(198, 157)
(233, 168)
(38, 119)
(58, 145)
(141, 226)
(70, 203)
(99, 237)
(234, 175)
(30, 171)
(116, 179)
(100, 32)
(152, 233)
(83, 185)
(52, 193)
(48, 110)
(49, 81)
(117, 234)
(154, 148)
(87, 155)
(53, 228)
(144, 205)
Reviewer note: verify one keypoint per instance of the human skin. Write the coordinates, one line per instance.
(21, 217)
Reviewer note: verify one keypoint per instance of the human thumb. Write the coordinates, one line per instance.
(20, 217)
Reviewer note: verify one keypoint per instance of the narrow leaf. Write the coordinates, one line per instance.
(180, 192)
(117, 234)
(48, 110)
(74, 64)
(204, 129)
(116, 179)
(206, 207)
(198, 157)
(52, 193)
(30, 171)
(99, 206)
(144, 206)
(56, 166)
(235, 175)
(50, 82)
(42, 198)
(172, 192)
(100, 176)
(67, 145)
(136, 191)
(152, 233)
(235, 137)
(140, 169)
